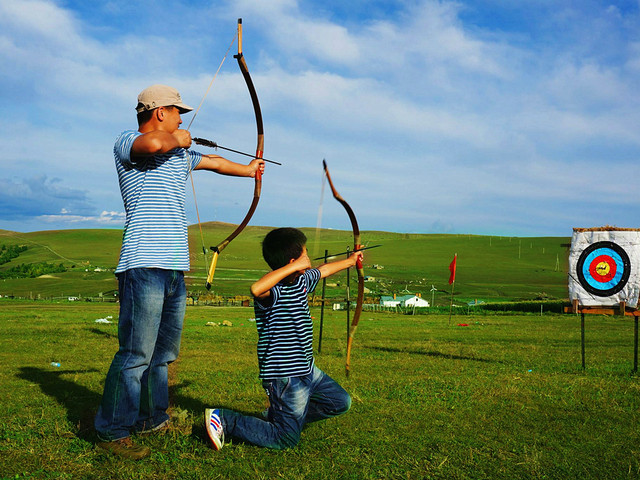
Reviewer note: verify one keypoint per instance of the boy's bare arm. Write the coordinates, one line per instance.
(262, 287)
(329, 269)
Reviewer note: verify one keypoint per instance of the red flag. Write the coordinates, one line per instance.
(452, 269)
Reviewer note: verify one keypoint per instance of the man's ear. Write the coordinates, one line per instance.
(158, 114)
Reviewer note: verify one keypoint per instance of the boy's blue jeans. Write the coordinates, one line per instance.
(136, 391)
(294, 402)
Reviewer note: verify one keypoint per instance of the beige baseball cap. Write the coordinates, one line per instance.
(160, 96)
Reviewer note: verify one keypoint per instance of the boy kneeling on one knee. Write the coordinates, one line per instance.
(299, 392)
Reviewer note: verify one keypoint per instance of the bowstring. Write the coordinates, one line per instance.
(233, 40)
(319, 220)
(193, 186)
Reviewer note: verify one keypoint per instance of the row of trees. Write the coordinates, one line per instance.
(29, 270)
(8, 253)
(32, 270)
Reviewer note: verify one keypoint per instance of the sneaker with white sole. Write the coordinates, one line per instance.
(214, 427)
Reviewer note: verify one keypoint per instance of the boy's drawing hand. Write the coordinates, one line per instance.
(303, 262)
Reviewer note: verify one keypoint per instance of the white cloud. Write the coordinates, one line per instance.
(105, 219)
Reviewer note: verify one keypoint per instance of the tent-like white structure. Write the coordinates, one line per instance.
(403, 301)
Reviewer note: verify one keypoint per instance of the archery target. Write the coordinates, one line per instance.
(603, 267)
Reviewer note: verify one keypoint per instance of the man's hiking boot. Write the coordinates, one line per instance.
(124, 447)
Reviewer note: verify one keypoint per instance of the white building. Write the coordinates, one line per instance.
(415, 301)
(403, 301)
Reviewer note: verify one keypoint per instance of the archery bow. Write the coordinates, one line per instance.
(195, 114)
(356, 246)
(259, 150)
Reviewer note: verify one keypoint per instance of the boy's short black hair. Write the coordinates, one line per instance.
(282, 245)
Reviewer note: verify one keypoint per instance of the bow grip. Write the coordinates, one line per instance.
(358, 262)
(212, 268)
(259, 154)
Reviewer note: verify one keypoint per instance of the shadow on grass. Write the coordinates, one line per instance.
(102, 333)
(433, 354)
(80, 402)
(197, 407)
(191, 404)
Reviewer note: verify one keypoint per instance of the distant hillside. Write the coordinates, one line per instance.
(489, 267)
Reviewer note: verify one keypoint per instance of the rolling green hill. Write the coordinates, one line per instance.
(490, 268)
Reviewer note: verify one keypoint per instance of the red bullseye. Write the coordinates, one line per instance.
(603, 268)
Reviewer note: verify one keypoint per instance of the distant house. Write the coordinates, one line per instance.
(414, 301)
(387, 301)
(403, 301)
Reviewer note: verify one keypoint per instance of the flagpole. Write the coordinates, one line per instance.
(452, 282)
(451, 302)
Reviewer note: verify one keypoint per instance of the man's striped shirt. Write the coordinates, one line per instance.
(285, 329)
(153, 191)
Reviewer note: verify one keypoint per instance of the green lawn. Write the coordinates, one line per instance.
(504, 397)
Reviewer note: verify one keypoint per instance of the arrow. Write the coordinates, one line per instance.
(212, 144)
(348, 251)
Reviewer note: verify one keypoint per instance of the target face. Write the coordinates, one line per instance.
(603, 268)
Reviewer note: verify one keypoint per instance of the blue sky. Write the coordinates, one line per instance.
(482, 117)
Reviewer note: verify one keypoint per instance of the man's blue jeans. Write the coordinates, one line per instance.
(136, 391)
(294, 402)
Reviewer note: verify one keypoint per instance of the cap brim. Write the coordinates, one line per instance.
(183, 108)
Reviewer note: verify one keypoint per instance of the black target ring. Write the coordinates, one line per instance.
(603, 268)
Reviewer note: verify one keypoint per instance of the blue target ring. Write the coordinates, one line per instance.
(603, 268)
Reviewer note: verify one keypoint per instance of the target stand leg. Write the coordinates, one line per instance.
(635, 344)
(582, 338)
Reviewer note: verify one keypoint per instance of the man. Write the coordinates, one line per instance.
(153, 164)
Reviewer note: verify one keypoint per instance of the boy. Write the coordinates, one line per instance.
(299, 392)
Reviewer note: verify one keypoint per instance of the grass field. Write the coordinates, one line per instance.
(490, 268)
(502, 398)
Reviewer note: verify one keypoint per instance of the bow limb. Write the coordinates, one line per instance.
(259, 151)
(357, 245)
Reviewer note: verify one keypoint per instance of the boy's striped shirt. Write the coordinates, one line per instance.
(285, 329)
